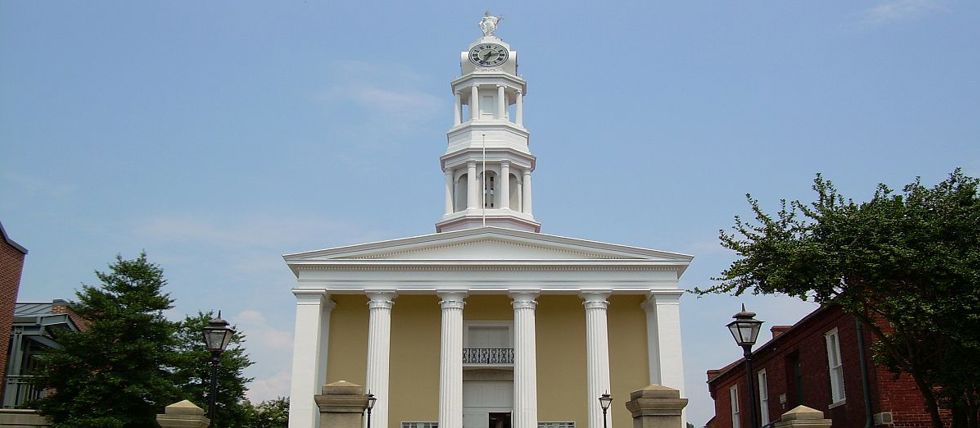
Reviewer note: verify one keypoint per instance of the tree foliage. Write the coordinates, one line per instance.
(115, 374)
(193, 372)
(910, 259)
(270, 414)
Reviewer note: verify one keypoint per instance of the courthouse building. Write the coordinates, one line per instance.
(486, 323)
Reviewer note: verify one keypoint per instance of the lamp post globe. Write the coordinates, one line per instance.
(745, 331)
(217, 336)
(604, 401)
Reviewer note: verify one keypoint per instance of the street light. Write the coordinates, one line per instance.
(370, 405)
(217, 335)
(745, 330)
(604, 401)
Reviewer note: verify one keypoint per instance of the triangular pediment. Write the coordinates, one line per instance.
(486, 244)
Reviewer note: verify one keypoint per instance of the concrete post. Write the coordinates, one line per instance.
(342, 405)
(803, 416)
(183, 415)
(656, 406)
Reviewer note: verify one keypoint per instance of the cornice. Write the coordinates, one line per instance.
(463, 266)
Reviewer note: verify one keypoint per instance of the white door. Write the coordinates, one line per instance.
(481, 397)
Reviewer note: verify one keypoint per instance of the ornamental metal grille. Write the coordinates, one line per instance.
(488, 356)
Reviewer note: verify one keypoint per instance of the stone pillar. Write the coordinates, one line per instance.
(474, 102)
(457, 108)
(183, 415)
(803, 416)
(451, 361)
(656, 406)
(379, 347)
(504, 185)
(342, 405)
(449, 191)
(527, 192)
(471, 185)
(519, 109)
(597, 353)
(310, 336)
(525, 361)
(653, 340)
(501, 103)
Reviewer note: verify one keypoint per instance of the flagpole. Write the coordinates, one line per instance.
(484, 179)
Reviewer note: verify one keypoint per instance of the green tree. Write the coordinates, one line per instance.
(115, 374)
(193, 372)
(906, 264)
(270, 414)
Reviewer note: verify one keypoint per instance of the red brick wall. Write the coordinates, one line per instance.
(11, 266)
(806, 340)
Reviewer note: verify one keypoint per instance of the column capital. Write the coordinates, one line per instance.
(505, 162)
(524, 299)
(381, 299)
(501, 85)
(452, 299)
(662, 297)
(595, 299)
(471, 164)
(519, 91)
(312, 297)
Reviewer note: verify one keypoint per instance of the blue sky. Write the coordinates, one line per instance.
(219, 135)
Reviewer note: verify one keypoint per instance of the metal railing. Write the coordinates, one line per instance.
(488, 356)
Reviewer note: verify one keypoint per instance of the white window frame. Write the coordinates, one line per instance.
(835, 367)
(733, 398)
(556, 424)
(468, 324)
(763, 381)
(420, 424)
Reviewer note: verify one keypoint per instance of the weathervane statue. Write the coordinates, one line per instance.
(489, 23)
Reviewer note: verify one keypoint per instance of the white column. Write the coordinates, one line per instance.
(504, 185)
(667, 316)
(527, 192)
(597, 354)
(471, 186)
(474, 102)
(310, 338)
(449, 192)
(519, 109)
(379, 346)
(653, 340)
(501, 103)
(457, 108)
(451, 361)
(525, 361)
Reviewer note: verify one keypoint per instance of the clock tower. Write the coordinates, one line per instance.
(487, 163)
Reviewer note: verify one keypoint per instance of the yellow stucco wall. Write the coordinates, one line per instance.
(415, 336)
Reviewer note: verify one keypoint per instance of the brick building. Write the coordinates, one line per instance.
(823, 362)
(11, 265)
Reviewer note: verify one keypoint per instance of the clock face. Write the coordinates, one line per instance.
(488, 54)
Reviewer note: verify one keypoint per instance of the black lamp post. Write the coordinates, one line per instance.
(370, 405)
(217, 335)
(604, 401)
(745, 330)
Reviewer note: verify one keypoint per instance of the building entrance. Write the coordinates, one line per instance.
(499, 420)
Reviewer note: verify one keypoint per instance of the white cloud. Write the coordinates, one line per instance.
(269, 388)
(389, 94)
(889, 11)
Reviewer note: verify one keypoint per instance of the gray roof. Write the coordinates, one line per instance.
(33, 309)
(3, 234)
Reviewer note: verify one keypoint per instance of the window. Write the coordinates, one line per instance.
(835, 367)
(556, 424)
(420, 424)
(763, 397)
(733, 395)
